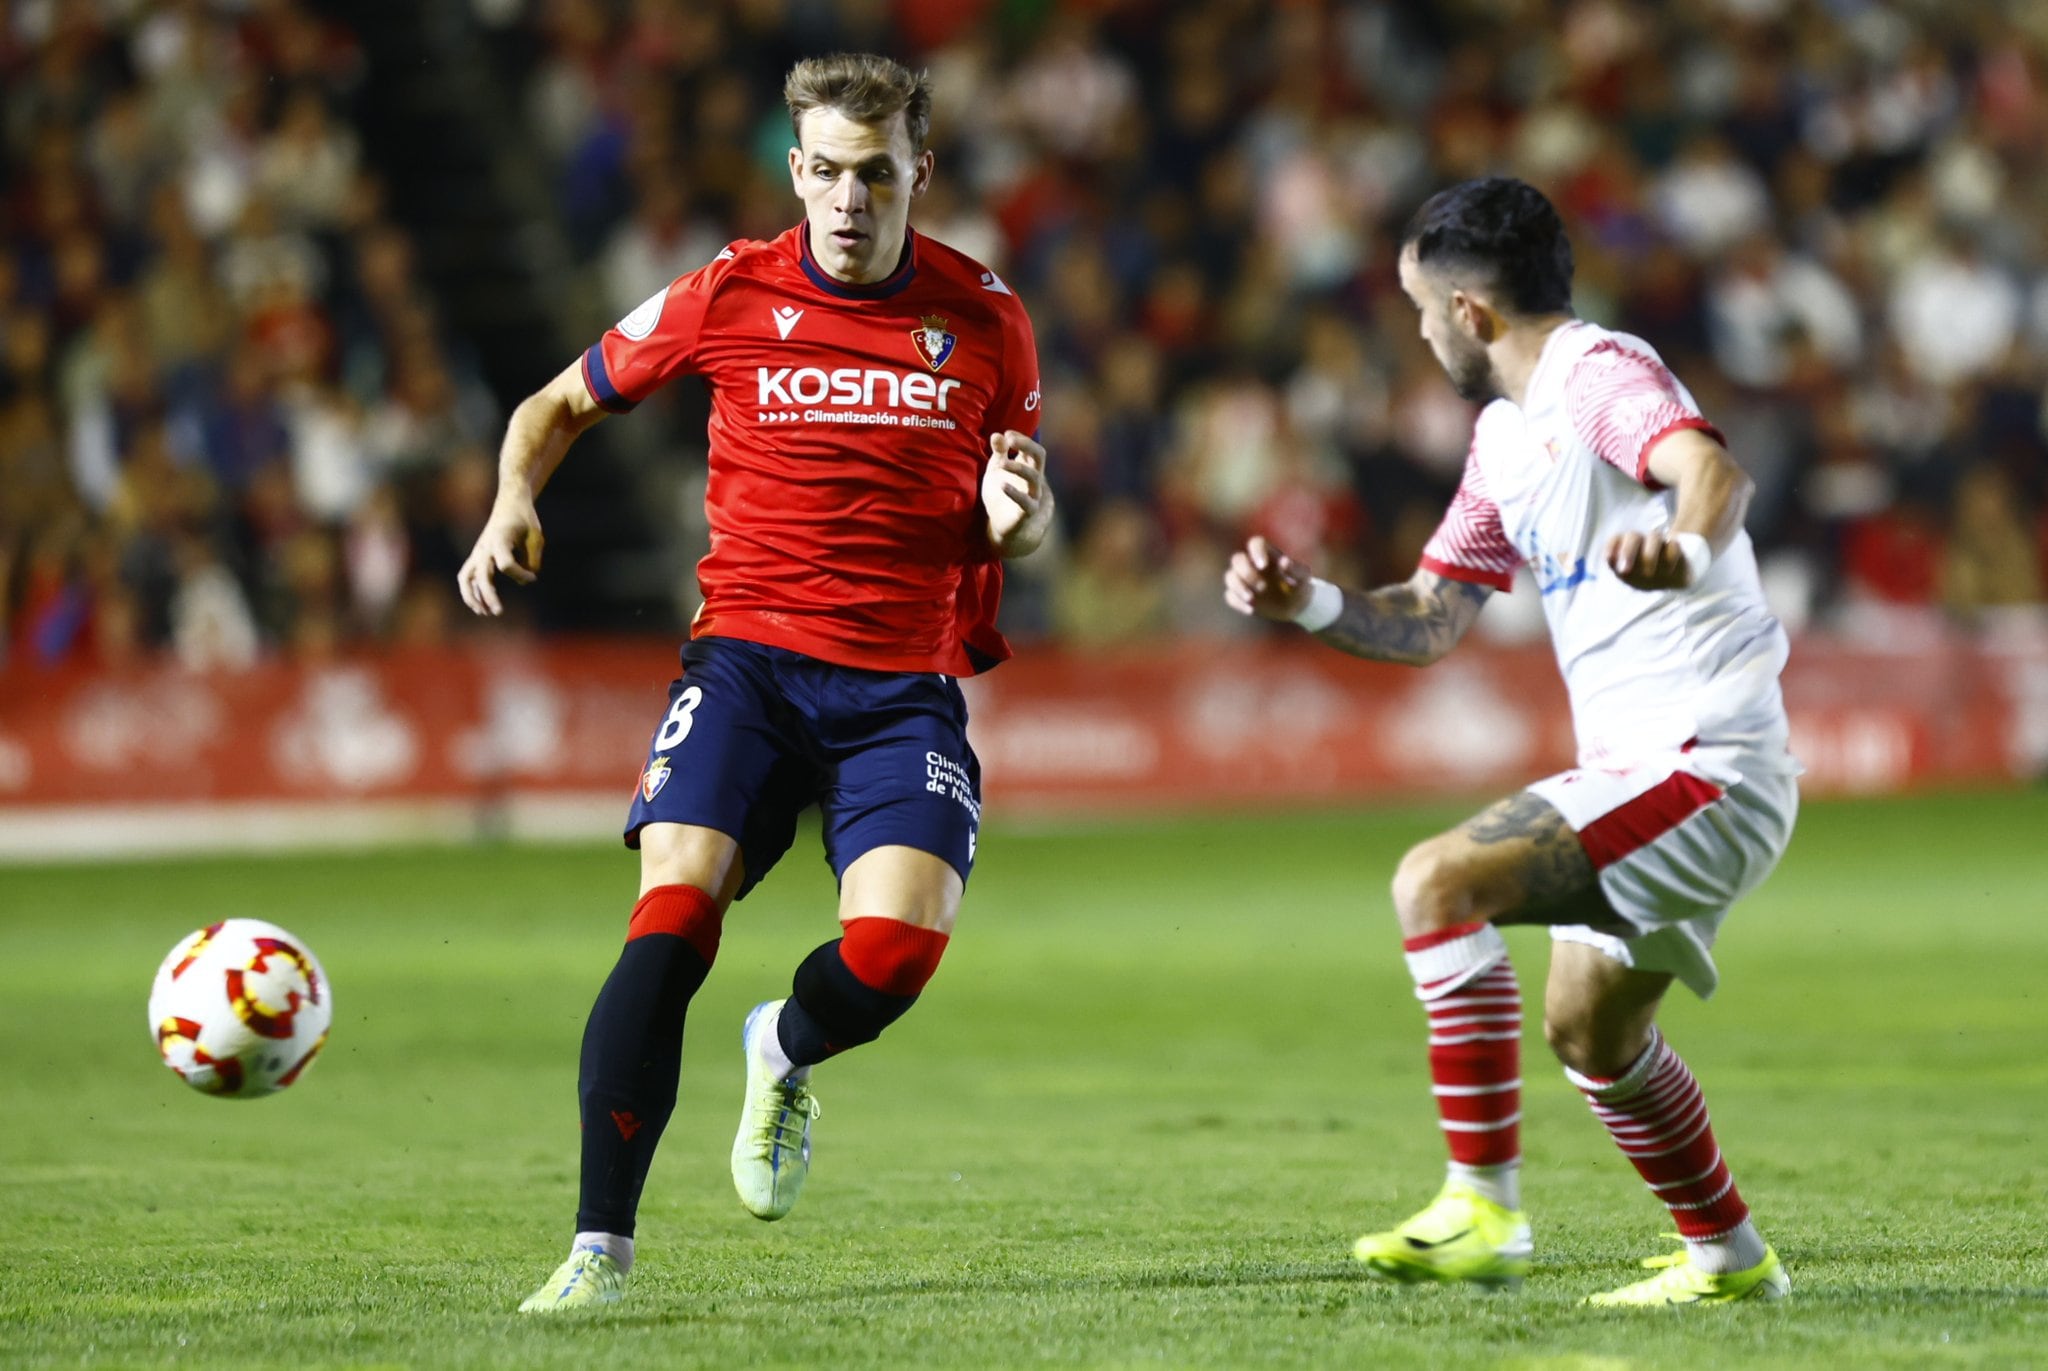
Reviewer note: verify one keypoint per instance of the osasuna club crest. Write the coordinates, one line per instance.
(934, 343)
(654, 778)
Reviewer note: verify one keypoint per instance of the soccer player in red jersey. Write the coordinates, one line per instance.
(1591, 465)
(873, 461)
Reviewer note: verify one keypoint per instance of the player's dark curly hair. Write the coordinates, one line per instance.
(1503, 231)
(862, 86)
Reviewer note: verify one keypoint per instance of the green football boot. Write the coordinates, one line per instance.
(771, 1153)
(1678, 1282)
(1461, 1236)
(589, 1278)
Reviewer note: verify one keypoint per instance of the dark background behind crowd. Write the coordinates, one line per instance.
(272, 273)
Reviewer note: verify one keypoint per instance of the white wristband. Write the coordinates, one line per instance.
(1325, 603)
(1698, 554)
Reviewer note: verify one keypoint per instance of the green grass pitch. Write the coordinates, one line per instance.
(1166, 1074)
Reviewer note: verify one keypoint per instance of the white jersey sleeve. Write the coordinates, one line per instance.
(1470, 544)
(1621, 402)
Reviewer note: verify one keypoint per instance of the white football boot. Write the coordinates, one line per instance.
(772, 1153)
(589, 1278)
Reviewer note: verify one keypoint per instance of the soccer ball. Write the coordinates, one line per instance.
(240, 1008)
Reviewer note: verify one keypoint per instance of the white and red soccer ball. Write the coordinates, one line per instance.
(240, 1008)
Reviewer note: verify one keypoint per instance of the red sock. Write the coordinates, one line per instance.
(1656, 1114)
(846, 992)
(891, 956)
(1468, 988)
(683, 910)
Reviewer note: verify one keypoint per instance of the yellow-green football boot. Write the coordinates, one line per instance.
(1678, 1281)
(588, 1279)
(771, 1153)
(1461, 1236)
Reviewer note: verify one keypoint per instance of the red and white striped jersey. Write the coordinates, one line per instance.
(1549, 483)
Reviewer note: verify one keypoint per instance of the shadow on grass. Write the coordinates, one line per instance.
(1193, 1278)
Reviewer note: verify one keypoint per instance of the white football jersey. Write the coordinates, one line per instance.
(1549, 483)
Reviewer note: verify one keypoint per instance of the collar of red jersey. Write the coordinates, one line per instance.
(897, 280)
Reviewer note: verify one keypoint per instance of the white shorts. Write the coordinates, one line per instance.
(1677, 839)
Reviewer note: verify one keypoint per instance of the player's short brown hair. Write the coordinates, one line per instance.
(863, 87)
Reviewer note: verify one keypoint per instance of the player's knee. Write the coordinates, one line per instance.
(866, 981)
(684, 854)
(891, 956)
(1430, 892)
(684, 911)
(1582, 1041)
(1567, 1034)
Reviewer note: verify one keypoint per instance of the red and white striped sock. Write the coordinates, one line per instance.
(1467, 987)
(1656, 1114)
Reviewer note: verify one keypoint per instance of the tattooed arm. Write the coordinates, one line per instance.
(1415, 622)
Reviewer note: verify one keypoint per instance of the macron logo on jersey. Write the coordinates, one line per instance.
(854, 386)
(785, 318)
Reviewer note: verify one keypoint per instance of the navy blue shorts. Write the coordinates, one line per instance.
(755, 734)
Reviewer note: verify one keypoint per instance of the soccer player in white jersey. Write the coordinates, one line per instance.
(1591, 464)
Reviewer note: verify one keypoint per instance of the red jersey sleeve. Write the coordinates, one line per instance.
(1620, 402)
(1470, 544)
(1017, 401)
(1015, 406)
(1017, 393)
(657, 342)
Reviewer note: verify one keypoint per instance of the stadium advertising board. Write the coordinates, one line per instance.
(1188, 726)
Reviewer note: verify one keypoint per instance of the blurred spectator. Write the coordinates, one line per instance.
(1992, 559)
(659, 243)
(1767, 304)
(187, 315)
(1894, 556)
(211, 625)
(307, 165)
(1954, 313)
(1114, 592)
(378, 555)
(1709, 200)
(1073, 92)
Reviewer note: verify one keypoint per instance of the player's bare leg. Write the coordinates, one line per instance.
(686, 854)
(896, 911)
(1600, 1019)
(1598, 1015)
(632, 1050)
(1516, 861)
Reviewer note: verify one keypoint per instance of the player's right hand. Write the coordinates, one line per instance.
(511, 543)
(1265, 581)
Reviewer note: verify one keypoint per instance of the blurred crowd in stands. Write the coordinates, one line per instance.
(231, 421)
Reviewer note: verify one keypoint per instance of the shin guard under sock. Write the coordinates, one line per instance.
(1656, 1114)
(847, 991)
(1468, 988)
(633, 1050)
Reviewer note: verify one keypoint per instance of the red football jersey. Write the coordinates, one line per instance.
(849, 428)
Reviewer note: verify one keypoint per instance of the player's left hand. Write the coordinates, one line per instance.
(1648, 561)
(1016, 494)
